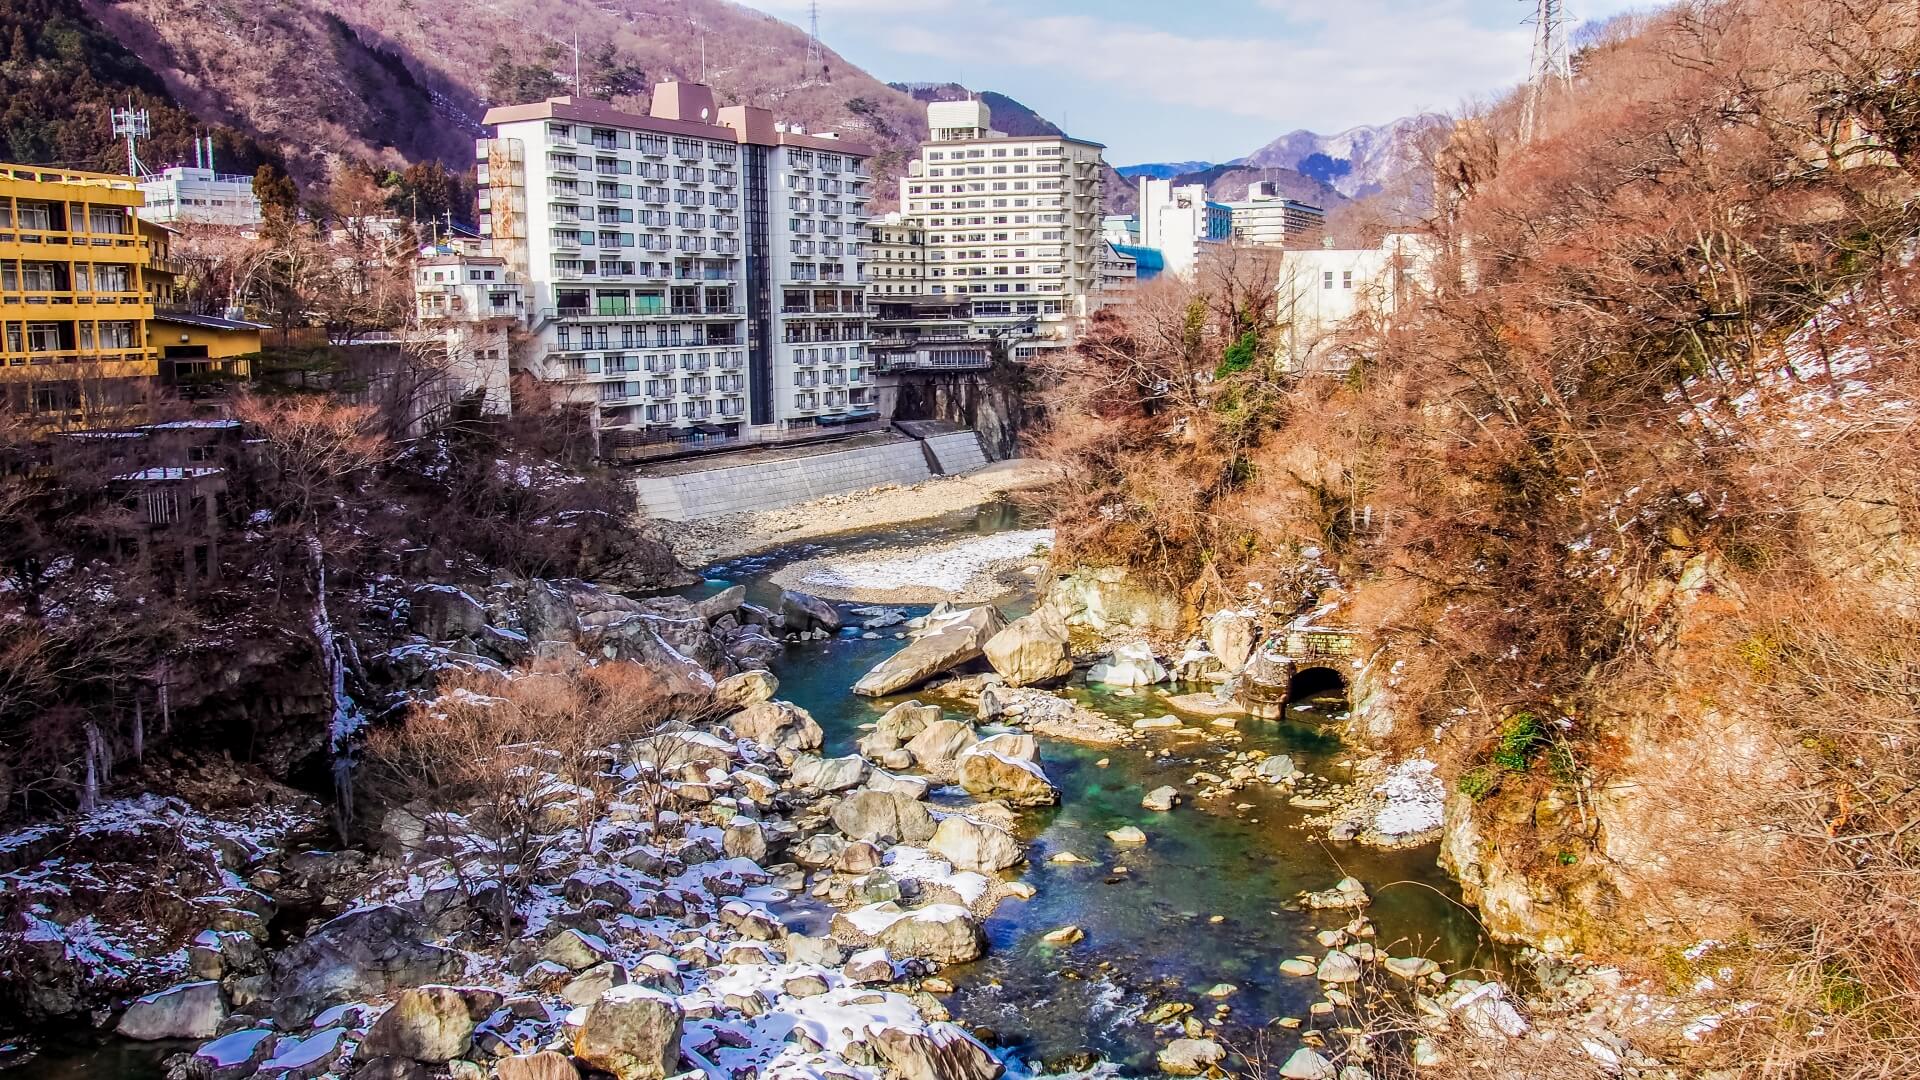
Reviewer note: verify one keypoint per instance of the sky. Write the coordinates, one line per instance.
(1181, 80)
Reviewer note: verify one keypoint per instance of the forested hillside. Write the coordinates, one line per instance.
(1623, 498)
(61, 73)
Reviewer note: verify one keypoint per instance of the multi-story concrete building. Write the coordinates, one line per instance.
(1324, 290)
(1182, 223)
(182, 195)
(693, 274)
(74, 302)
(1012, 224)
(896, 257)
(465, 300)
(1270, 219)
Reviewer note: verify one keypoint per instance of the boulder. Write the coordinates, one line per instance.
(777, 725)
(1018, 745)
(898, 725)
(310, 1058)
(913, 787)
(744, 840)
(1032, 649)
(830, 774)
(547, 613)
(545, 1065)
(942, 1051)
(940, 744)
(1127, 834)
(1231, 635)
(725, 602)
(192, 1010)
(869, 966)
(1346, 893)
(586, 987)
(1338, 967)
(823, 951)
(1132, 664)
(631, 1032)
(943, 933)
(1278, 768)
(444, 613)
(373, 952)
(1307, 1064)
(234, 1055)
(430, 1024)
(576, 951)
(746, 688)
(883, 815)
(970, 845)
(954, 640)
(804, 612)
(1190, 1057)
(1013, 779)
(1161, 798)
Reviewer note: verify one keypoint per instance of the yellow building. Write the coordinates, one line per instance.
(193, 351)
(74, 304)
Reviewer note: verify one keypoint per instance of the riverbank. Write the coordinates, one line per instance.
(970, 570)
(715, 539)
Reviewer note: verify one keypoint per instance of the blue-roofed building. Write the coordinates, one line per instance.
(1148, 263)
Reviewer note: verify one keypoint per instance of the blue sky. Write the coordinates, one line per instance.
(1174, 80)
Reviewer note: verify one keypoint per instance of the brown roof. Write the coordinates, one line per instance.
(589, 111)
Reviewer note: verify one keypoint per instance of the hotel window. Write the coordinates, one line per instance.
(1326, 280)
(105, 219)
(35, 215)
(43, 337)
(1346, 279)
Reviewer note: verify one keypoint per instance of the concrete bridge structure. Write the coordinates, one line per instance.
(1295, 662)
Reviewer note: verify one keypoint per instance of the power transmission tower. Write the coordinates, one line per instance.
(816, 59)
(1550, 64)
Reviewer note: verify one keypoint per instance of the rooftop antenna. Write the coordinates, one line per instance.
(576, 64)
(1550, 64)
(134, 124)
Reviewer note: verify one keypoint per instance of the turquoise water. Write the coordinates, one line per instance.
(1208, 899)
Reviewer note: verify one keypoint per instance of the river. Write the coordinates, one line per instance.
(1207, 900)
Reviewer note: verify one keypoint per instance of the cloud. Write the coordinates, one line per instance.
(1362, 61)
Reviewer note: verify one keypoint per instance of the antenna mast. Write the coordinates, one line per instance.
(1550, 64)
(133, 124)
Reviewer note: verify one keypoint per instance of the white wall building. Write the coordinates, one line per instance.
(467, 301)
(1322, 290)
(688, 271)
(1011, 223)
(1270, 219)
(1182, 223)
(182, 195)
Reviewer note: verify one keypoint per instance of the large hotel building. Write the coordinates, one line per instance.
(1011, 224)
(693, 274)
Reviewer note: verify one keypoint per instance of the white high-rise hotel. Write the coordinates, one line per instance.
(1011, 222)
(694, 272)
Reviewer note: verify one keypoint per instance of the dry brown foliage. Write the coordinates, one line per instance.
(1642, 465)
(500, 772)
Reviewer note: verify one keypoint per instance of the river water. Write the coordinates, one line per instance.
(1207, 900)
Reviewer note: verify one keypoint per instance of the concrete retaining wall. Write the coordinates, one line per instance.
(957, 453)
(767, 485)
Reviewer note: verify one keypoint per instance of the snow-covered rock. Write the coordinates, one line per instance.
(192, 1010)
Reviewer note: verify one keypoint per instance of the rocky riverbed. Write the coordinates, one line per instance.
(1025, 846)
